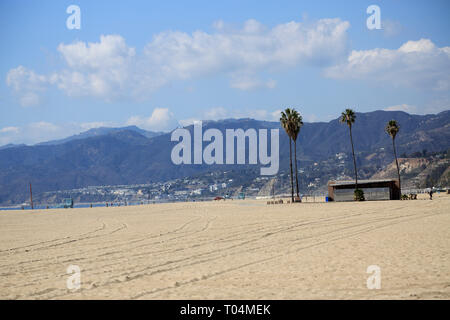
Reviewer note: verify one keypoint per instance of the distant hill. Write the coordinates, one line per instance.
(112, 156)
(12, 145)
(430, 132)
(95, 132)
(422, 172)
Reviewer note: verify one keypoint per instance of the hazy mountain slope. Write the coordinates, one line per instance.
(95, 132)
(127, 156)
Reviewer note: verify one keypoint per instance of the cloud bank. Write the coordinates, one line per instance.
(161, 119)
(110, 69)
(416, 64)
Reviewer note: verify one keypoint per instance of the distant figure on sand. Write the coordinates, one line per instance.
(431, 194)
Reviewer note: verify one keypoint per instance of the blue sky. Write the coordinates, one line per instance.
(161, 64)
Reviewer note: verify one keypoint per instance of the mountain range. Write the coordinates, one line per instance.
(130, 155)
(95, 132)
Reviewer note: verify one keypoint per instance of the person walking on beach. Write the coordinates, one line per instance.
(431, 194)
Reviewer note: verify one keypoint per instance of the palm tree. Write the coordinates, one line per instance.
(348, 117)
(392, 129)
(287, 124)
(298, 123)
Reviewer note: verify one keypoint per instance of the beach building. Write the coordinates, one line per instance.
(386, 189)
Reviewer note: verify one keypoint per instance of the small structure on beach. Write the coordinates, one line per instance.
(67, 203)
(386, 189)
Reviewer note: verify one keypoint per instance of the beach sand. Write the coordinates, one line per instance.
(240, 249)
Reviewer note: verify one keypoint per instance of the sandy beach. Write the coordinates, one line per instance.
(240, 249)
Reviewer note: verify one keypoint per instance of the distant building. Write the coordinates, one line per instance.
(340, 156)
(373, 190)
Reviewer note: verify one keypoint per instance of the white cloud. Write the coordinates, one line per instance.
(250, 49)
(218, 25)
(247, 83)
(45, 126)
(9, 130)
(402, 107)
(41, 131)
(33, 133)
(187, 122)
(310, 118)
(417, 64)
(220, 113)
(431, 107)
(263, 115)
(276, 115)
(103, 69)
(95, 124)
(216, 113)
(26, 84)
(110, 69)
(160, 120)
(437, 105)
(391, 28)
(110, 52)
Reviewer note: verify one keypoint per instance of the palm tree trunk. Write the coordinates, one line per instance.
(354, 159)
(296, 171)
(290, 163)
(398, 169)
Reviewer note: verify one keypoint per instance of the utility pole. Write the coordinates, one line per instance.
(273, 189)
(31, 197)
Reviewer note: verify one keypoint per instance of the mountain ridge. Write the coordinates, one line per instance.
(129, 157)
(100, 131)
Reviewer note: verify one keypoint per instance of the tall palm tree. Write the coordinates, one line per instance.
(348, 117)
(287, 124)
(298, 123)
(392, 128)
